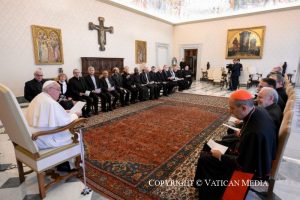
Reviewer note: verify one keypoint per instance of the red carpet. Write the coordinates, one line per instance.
(123, 154)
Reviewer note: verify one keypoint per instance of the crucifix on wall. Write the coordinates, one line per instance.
(101, 32)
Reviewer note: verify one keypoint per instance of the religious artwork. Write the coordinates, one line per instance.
(47, 45)
(245, 43)
(140, 52)
(101, 32)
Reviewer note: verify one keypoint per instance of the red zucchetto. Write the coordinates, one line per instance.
(241, 95)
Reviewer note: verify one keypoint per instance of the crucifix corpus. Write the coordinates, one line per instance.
(101, 32)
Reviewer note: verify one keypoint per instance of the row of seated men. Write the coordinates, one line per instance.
(254, 147)
(125, 88)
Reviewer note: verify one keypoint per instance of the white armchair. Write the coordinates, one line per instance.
(26, 151)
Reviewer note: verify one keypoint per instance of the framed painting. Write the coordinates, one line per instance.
(245, 43)
(140, 52)
(47, 45)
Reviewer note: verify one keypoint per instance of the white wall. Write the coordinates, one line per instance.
(72, 17)
(282, 40)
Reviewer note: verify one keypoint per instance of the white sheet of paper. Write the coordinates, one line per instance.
(87, 93)
(77, 107)
(98, 90)
(231, 127)
(213, 145)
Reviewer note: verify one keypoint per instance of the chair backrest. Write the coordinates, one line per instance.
(284, 133)
(289, 106)
(14, 121)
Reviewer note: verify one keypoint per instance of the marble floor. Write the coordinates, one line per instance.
(288, 187)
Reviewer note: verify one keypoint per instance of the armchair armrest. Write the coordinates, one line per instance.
(59, 129)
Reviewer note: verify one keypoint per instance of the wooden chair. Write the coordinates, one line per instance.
(26, 151)
(232, 192)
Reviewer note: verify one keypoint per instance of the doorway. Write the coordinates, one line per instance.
(190, 59)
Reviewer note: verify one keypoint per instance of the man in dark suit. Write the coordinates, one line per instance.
(93, 85)
(182, 83)
(145, 79)
(168, 77)
(34, 86)
(108, 86)
(161, 81)
(129, 85)
(253, 154)
(143, 90)
(235, 70)
(267, 98)
(79, 92)
(187, 75)
(280, 86)
(124, 93)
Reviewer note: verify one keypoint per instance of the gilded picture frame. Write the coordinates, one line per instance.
(47, 44)
(245, 43)
(140, 51)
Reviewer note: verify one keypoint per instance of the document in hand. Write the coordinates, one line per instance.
(87, 93)
(216, 146)
(77, 107)
(231, 127)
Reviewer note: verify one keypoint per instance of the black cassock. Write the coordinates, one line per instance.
(254, 154)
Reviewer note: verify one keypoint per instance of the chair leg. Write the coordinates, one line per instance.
(41, 182)
(21, 171)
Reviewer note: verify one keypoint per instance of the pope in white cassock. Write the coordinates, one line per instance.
(45, 113)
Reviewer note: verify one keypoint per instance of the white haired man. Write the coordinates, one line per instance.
(45, 113)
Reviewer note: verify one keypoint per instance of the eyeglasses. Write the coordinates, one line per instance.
(39, 75)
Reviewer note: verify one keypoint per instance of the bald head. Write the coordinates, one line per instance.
(267, 96)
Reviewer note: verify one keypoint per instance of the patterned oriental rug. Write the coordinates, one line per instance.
(150, 150)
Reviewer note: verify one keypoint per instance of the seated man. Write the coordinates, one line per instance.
(129, 85)
(79, 92)
(34, 86)
(253, 154)
(187, 74)
(268, 82)
(124, 93)
(93, 85)
(149, 83)
(45, 113)
(108, 88)
(267, 98)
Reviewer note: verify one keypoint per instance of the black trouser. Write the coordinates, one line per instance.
(234, 82)
(105, 98)
(95, 101)
(124, 96)
(171, 85)
(116, 96)
(143, 93)
(134, 93)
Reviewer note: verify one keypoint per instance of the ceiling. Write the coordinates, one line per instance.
(185, 11)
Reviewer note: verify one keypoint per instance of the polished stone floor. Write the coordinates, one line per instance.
(288, 187)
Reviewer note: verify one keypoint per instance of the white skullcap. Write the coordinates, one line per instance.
(47, 83)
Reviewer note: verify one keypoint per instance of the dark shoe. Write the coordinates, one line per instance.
(64, 167)
(96, 113)
(110, 109)
(126, 103)
(104, 110)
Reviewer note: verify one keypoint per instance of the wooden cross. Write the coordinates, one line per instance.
(101, 32)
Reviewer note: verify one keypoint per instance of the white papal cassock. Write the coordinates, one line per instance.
(44, 113)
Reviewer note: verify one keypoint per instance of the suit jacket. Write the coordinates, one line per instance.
(127, 80)
(77, 85)
(153, 76)
(90, 84)
(118, 80)
(144, 78)
(32, 88)
(236, 69)
(136, 79)
(104, 85)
